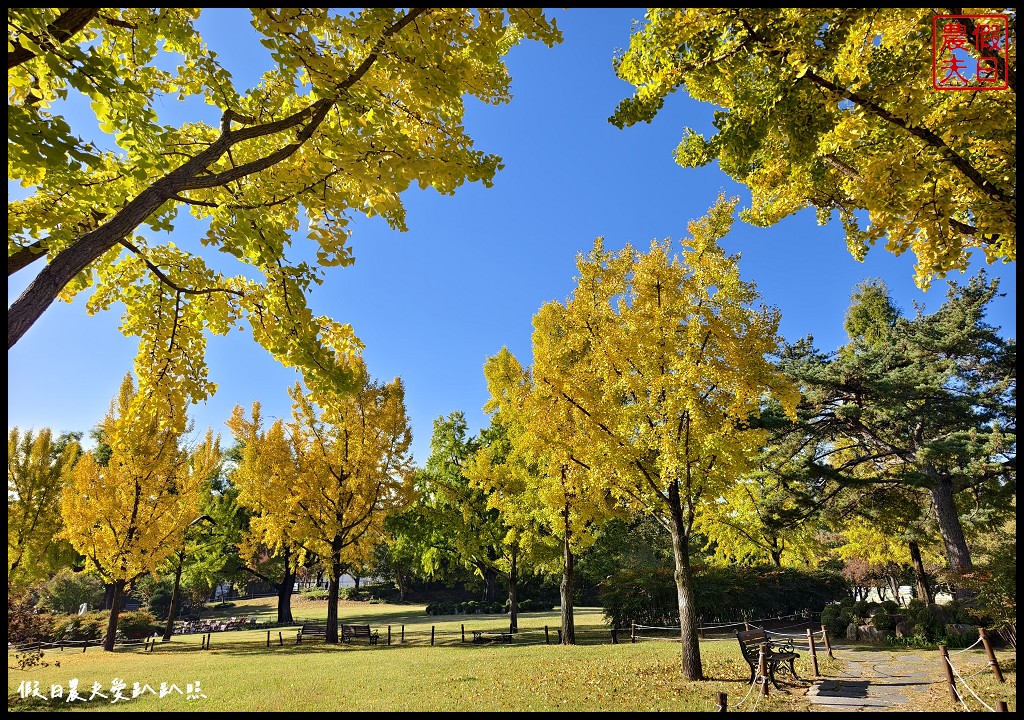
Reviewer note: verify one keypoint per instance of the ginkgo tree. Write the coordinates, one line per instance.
(834, 108)
(535, 477)
(666, 360)
(129, 514)
(354, 108)
(269, 546)
(329, 478)
(38, 467)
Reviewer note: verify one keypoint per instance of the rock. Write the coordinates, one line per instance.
(905, 629)
(851, 631)
(870, 633)
(940, 613)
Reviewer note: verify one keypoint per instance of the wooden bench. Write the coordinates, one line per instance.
(358, 632)
(481, 636)
(312, 630)
(779, 655)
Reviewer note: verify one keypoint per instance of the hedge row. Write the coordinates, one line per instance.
(721, 595)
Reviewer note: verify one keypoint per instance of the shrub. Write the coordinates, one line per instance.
(929, 623)
(835, 619)
(87, 626)
(24, 623)
(160, 602)
(884, 622)
(66, 591)
(727, 594)
(136, 625)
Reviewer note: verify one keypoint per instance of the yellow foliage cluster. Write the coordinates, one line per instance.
(325, 481)
(128, 514)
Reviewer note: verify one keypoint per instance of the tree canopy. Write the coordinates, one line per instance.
(327, 480)
(926, 404)
(38, 467)
(666, 360)
(356, 108)
(128, 515)
(824, 107)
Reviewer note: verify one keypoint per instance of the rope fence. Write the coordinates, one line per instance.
(953, 674)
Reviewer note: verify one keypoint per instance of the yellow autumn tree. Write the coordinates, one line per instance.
(536, 477)
(835, 109)
(127, 515)
(266, 472)
(666, 360)
(352, 468)
(38, 466)
(355, 107)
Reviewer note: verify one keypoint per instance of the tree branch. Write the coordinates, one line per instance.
(68, 23)
(43, 290)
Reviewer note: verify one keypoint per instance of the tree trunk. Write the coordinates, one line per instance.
(400, 583)
(108, 596)
(490, 582)
(565, 590)
(284, 591)
(172, 610)
(115, 610)
(952, 531)
(690, 645)
(332, 603)
(513, 593)
(924, 590)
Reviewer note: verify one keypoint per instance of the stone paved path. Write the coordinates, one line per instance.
(879, 681)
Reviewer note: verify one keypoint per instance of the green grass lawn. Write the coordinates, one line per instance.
(239, 671)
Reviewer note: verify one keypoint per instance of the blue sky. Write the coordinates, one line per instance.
(433, 303)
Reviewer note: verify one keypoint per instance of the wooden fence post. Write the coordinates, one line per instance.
(1001, 706)
(280, 638)
(547, 637)
(432, 635)
(991, 655)
(762, 668)
(824, 638)
(949, 673)
(720, 699)
(632, 633)
(463, 633)
(402, 640)
(814, 652)
(389, 636)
